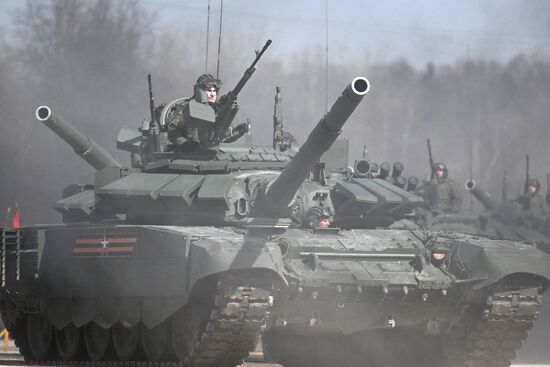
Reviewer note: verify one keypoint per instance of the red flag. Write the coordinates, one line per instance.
(15, 219)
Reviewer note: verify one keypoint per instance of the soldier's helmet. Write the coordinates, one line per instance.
(534, 182)
(442, 167)
(204, 83)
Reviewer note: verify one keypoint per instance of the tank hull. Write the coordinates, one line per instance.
(136, 283)
(363, 288)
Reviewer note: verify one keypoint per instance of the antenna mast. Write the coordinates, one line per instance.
(207, 38)
(326, 56)
(219, 40)
(470, 168)
(504, 187)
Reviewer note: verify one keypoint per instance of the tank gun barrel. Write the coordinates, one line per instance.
(85, 147)
(481, 195)
(282, 190)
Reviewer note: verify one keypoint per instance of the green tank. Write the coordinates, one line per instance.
(507, 219)
(186, 258)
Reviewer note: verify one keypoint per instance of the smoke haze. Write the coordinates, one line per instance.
(88, 60)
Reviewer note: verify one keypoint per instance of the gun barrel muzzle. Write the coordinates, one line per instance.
(85, 147)
(482, 196)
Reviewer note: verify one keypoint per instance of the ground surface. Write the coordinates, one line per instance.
(12, 358)
(534, 353)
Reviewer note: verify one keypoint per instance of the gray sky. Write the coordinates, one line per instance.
(421, 31)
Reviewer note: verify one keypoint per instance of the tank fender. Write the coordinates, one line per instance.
(491, 260)
(214, 255)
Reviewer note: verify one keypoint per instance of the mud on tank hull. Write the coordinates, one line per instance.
(378, 296)
(127, 293)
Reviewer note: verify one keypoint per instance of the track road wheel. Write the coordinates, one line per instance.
(69, 342)
(39, 336)
(154, 341)
(125, 341)
(96, 341)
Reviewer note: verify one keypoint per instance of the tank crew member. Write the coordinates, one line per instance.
(535, 204)
(193, 138)
(442, 193)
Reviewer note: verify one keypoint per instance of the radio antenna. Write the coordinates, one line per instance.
(326, 56)
(219, 40)
(207, 38)
(470, 169)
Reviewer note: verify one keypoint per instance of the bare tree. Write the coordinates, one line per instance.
(86, 59)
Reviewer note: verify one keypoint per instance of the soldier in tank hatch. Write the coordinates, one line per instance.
(180, 132)
(441, 192)
(189, 123)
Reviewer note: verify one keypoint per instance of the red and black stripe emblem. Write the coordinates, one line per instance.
(105, 244)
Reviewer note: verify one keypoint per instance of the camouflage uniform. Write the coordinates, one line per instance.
(442, 194)
(182, 136)
(536, 207)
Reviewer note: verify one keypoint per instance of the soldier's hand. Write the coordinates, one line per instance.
(236, 132)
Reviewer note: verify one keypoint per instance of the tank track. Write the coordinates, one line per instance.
(494, 339)
(232, 330)
(234, 326)
(489, 335)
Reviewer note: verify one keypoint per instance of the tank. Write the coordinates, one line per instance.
(185, 258)
(507, 219)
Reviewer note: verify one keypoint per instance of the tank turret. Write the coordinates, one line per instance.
(85, 147)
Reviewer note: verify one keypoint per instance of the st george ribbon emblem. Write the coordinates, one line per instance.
(104, 245)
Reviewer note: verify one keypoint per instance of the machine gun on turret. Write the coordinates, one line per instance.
(227, 105)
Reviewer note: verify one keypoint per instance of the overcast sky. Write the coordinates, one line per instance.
(421, 31)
